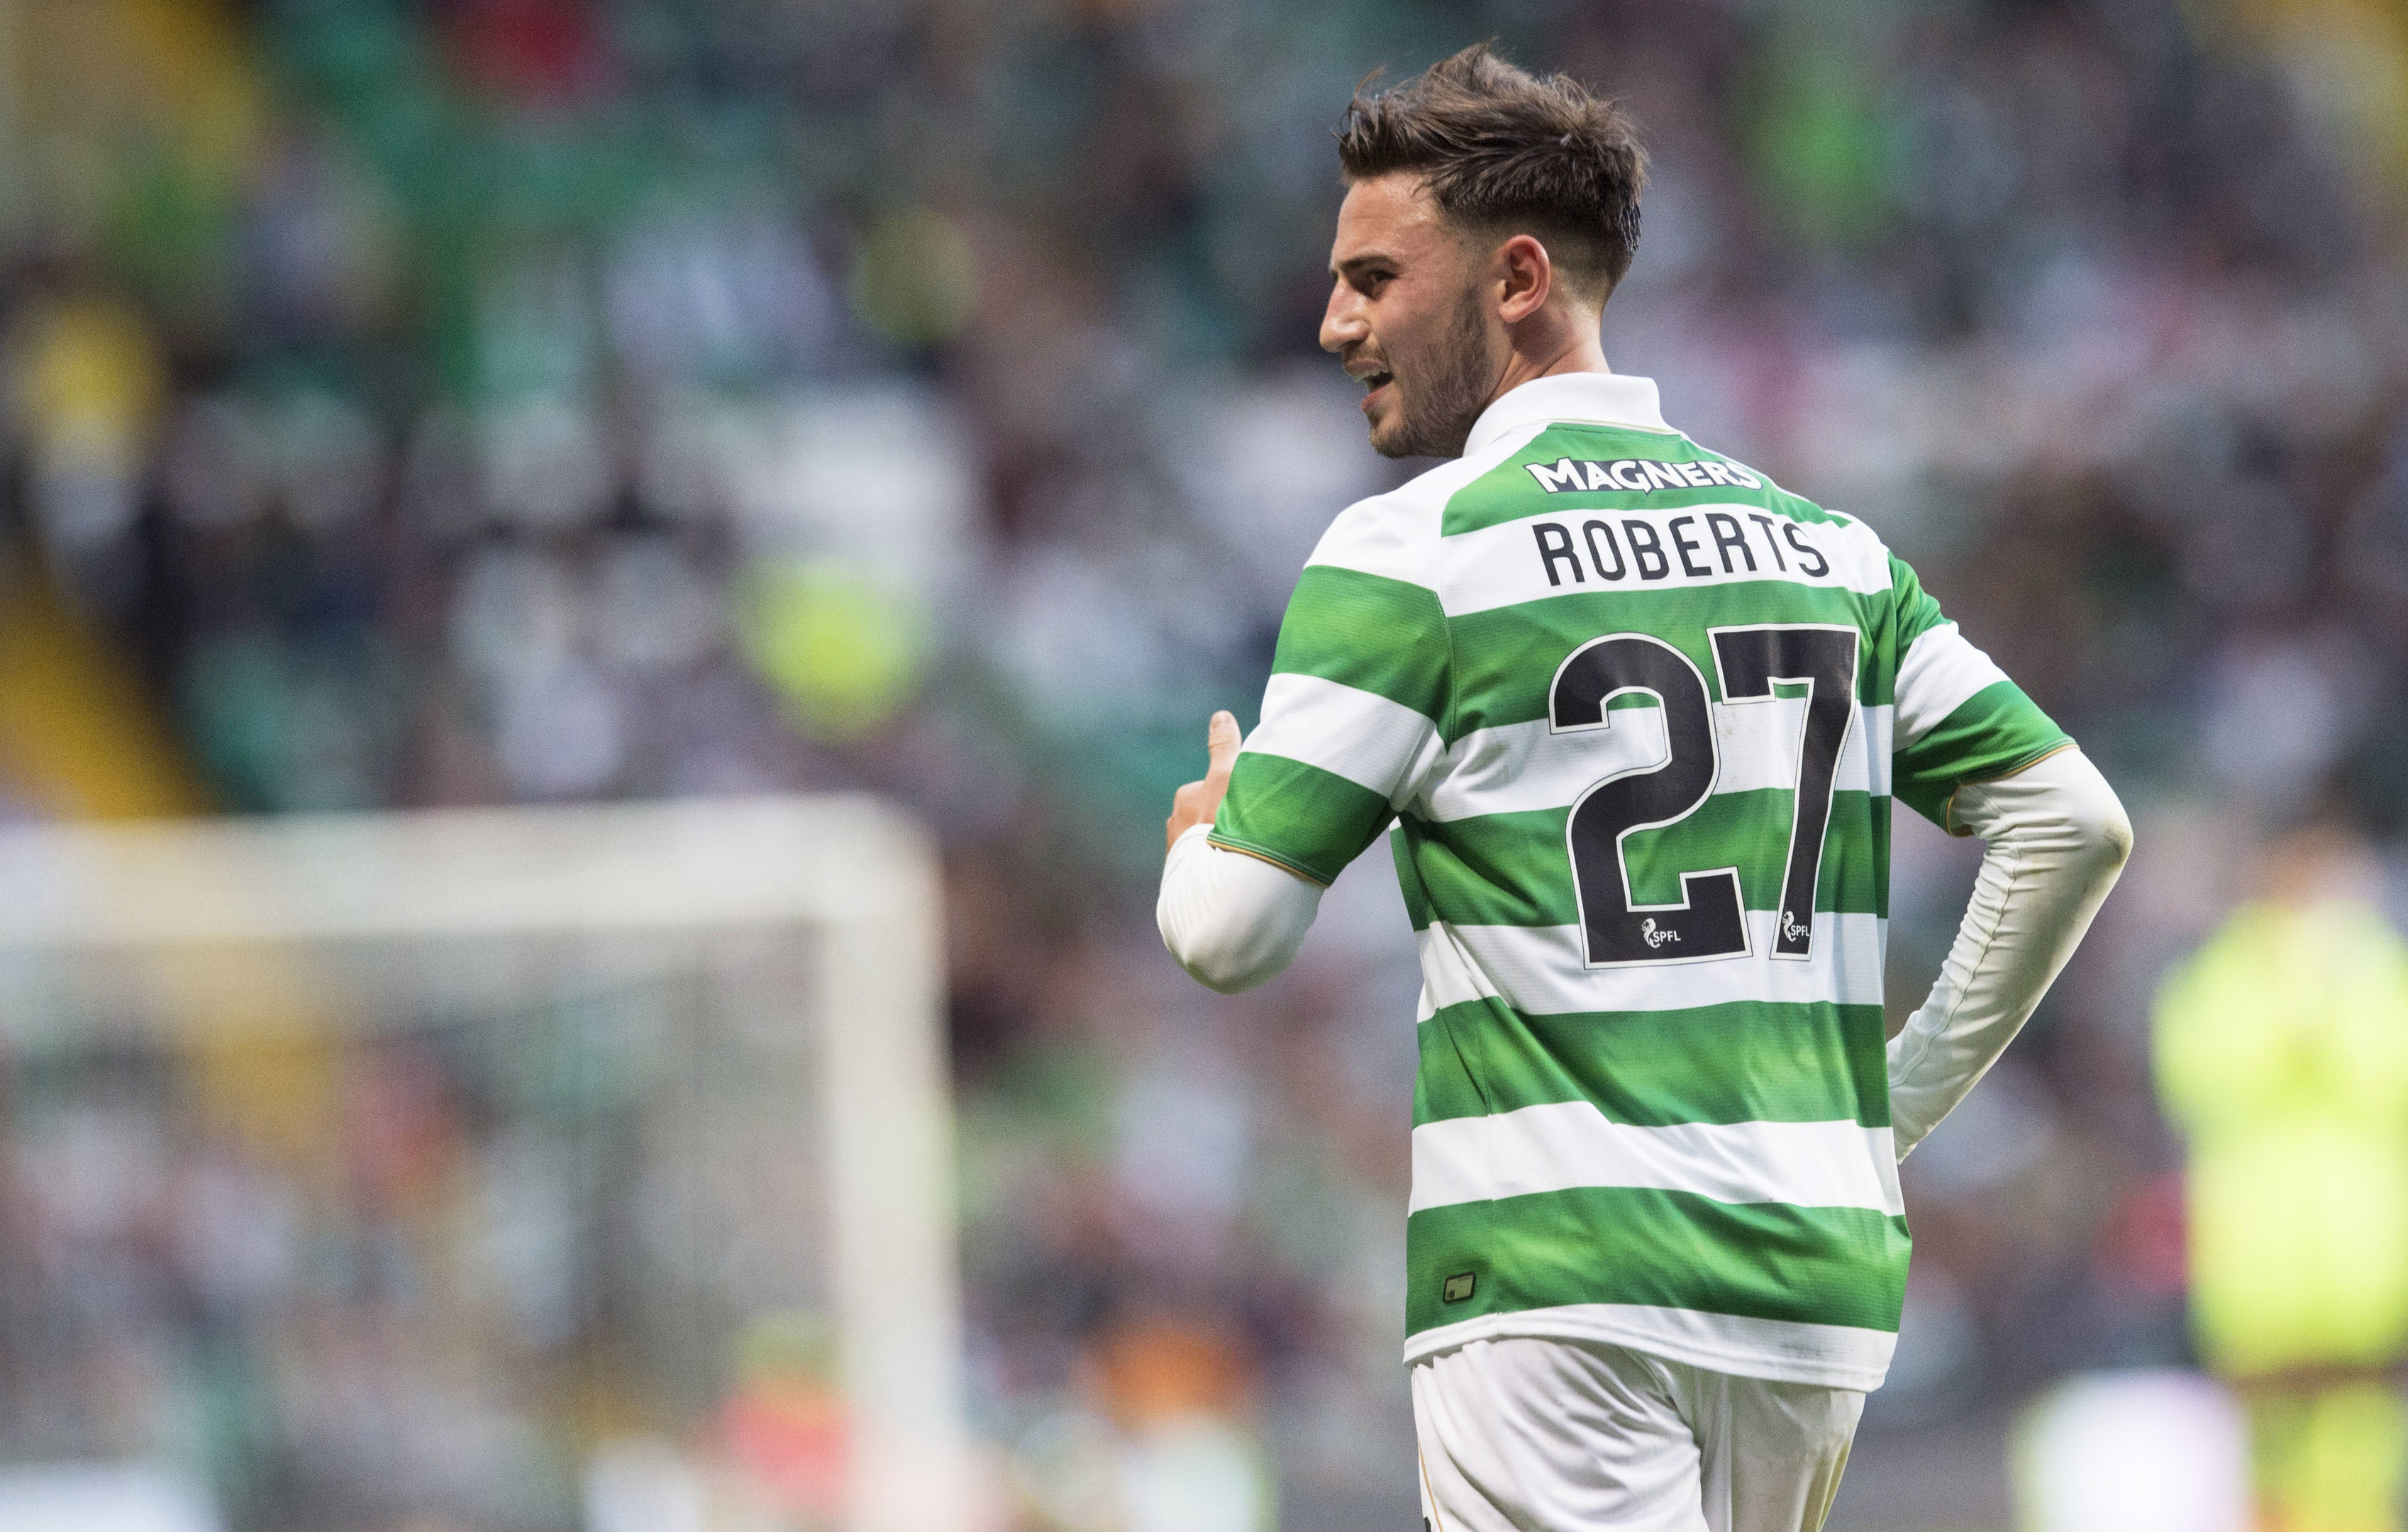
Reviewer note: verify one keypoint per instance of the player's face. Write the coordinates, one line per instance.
(1406, 316)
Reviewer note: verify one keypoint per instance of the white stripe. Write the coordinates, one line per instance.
(1761, 741)
(1450, 974)
(1394, 535)
(1542, 969)
(1788, 1351)
(1516, 768)
(1360, 736)
(1378, 537)
(1936, 675)
(1569, 1144)
(1502, 566)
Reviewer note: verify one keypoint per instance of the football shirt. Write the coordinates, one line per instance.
(1636, 716)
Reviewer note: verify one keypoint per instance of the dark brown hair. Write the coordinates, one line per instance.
(1502, 150)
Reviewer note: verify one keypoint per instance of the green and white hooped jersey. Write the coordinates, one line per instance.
(1636, 715)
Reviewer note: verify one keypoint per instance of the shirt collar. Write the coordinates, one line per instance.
(1606, 398)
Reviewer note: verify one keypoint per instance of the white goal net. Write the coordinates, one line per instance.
(526, 1168)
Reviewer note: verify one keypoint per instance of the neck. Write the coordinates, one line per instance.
(1572, 347)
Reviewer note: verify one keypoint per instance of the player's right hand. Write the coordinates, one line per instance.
(1198, 802)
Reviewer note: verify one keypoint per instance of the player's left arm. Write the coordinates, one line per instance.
(2055, 838)
(1979, 757)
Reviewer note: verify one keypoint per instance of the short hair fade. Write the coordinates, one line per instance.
(1501, 149)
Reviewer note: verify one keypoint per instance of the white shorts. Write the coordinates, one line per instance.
(1524, 1435)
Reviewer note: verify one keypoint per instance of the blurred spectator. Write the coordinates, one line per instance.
(1171, 1450)
(2282, 1050)
(2142, 1451)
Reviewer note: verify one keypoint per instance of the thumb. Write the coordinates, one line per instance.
(1220, 739)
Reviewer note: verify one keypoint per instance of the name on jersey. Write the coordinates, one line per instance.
(1694, 542)
(1640, 475)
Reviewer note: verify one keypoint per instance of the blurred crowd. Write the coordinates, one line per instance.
(412, 404)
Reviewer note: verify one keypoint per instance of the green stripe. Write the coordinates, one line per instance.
(1409, 882)
(1506, 657)
(1508, 491)
(1766, 1260)
(1513, 868)
(1367, 631)
(1917, 613)
(1752, 1061)
(1995, 733)
(1311, 820)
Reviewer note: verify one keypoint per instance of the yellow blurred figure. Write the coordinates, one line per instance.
(2282, 1052)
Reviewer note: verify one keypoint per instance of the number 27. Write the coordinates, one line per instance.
(1709, 922)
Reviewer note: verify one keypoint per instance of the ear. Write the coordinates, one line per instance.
(1525, 278)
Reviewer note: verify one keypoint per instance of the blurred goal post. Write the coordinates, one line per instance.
(226, 928)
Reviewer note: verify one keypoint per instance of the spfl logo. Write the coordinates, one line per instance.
(1791, 930)
(1653, 937)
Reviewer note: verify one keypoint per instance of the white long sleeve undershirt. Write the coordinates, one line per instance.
(2054, 839)
(1231, 920)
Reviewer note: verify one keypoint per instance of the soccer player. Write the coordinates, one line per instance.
(1636, 715)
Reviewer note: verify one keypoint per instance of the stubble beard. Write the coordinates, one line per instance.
(1435, 417)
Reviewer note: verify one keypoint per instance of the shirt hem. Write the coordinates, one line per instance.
(1538, 1323)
